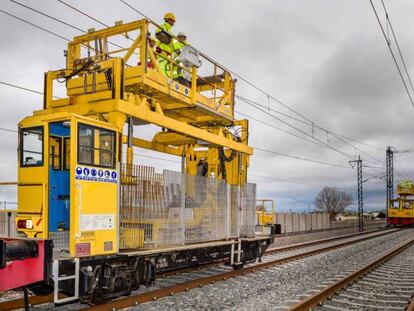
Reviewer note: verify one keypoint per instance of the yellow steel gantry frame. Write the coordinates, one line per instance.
(127, 85)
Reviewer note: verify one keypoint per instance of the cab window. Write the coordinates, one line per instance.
(106, 148)
(31, 146)
(55, 149)
(85, 140)
(66, 153)
(96, 146)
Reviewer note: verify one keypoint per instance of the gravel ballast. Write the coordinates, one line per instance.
(279, 287)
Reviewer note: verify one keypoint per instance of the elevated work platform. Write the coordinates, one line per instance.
(135, 69)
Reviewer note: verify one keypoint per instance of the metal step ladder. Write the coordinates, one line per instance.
(236, 252)
(59, 279)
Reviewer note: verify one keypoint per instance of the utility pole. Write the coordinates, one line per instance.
(360, 192)
(389, 168)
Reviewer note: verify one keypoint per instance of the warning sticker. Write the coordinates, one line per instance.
(96, 174)
(92, 222)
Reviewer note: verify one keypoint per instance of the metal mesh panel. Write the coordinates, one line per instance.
(174, 208)
(151, 209)
(60, 243)
(8, 223)
(247, 209)
(205, 209)
(235, 210)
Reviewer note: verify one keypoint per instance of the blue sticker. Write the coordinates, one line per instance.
(86, 171)
(177, 86)
(93, 172)
(186, 91)
(100, 173)
(78, 170)
(107, 174)
(113, 175)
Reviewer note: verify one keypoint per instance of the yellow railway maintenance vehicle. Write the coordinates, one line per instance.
(96, 225)
(401, 210)
(266, 221)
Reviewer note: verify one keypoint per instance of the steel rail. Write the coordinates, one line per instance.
(33, 300)
(317, 298)
(137, 299)
(36, 300)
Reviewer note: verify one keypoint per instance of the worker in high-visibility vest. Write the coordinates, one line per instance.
(165, 44)
(181, 75)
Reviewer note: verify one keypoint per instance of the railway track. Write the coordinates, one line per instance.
(183, 280)
(386, 283)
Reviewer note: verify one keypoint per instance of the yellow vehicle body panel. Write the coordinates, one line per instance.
(94, 215)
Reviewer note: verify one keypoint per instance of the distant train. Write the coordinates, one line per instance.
(401, 209)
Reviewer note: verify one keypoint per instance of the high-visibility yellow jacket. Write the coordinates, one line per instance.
(178, 46)
(165, 47)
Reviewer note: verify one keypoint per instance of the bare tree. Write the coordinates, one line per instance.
(333, 201)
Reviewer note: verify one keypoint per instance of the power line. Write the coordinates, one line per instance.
(60, 21)
(279, 129)
(257, 148)
(269, 96)
(89, 16)
(48, 16)
(296, 128)
(83, 13)
(157, 158)
(67, 24)
(392, 53)
(34, 25)
(21, 87)
(396, 42)
(266, 111)
(292, 181)
(301, 158)
(8, 130)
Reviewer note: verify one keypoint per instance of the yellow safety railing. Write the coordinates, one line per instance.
(264, 218)
(97, 71)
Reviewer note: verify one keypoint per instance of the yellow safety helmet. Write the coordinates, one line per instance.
(169, 15)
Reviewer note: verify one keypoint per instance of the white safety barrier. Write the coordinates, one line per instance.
(174, 208)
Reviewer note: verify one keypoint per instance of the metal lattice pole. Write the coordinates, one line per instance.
(389, 176)
(360, 192)
(360, 196)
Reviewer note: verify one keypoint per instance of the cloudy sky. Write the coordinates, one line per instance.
(325, 59)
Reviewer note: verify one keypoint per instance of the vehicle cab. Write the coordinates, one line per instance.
(68, 177)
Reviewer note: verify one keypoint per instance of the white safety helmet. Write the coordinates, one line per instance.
(182, 34)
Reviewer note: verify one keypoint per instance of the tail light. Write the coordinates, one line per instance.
(25, 224)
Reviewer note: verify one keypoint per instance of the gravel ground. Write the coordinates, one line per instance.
(389, 286)
(177, 305)
(278, 287)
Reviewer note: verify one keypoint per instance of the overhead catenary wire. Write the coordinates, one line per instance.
(397, 44)
(297, 129)
(262, 108)
(268, 95)
(34, 25)
(301, 158)
(279, 129)
(392, 53)
(284, 180)
(89, 16)
(83, 13)
(59, 20)
(320, 162)
(257, 148)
